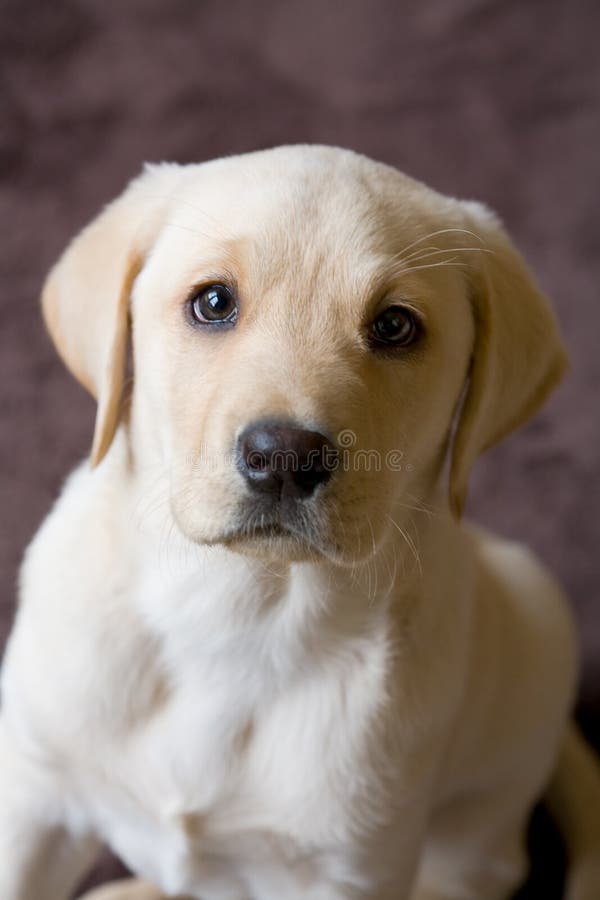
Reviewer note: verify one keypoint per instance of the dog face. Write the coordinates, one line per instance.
(305, 323)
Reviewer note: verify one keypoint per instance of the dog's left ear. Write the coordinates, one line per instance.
(518, 356)
(85, 299)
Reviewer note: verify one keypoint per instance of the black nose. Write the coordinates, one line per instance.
(277, 458)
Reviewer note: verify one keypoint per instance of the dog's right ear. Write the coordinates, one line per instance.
(85, 299)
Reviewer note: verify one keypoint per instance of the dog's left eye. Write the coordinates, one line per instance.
(214, 304)
(396, 326)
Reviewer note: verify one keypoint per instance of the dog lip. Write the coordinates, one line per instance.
(258, 530)
(253, 530)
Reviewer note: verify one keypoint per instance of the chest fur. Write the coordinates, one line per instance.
(233, 770)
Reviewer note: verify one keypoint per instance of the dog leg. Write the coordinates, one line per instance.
(39, 858)
(127, 889)
(476, 849)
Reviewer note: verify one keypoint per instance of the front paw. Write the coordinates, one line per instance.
(128, 889)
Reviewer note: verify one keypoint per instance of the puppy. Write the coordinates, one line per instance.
(256, 652)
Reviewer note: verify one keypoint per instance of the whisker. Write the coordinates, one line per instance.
(432, 234)
(450, 263)
(434, 251)
(374, 545)
(410, 543)
(420, 509)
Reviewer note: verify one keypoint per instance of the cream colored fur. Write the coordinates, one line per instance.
(366, 710)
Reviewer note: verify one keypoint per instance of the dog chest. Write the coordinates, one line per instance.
(223, 780)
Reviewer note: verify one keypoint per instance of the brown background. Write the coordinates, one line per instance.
(481, 98)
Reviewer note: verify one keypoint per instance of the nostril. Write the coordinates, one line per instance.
(257, 446)
(256, 461)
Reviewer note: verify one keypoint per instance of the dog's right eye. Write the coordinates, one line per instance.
(213, 304)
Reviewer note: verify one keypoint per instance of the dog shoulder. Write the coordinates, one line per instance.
(70, 570)
(523, 632)
(521, 583)
(77, 544)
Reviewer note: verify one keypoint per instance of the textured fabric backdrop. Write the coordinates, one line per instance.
(481, 98)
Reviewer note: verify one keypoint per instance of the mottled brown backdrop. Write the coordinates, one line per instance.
(492, 99)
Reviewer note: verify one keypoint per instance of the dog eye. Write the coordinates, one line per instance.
(214, 304)
(396, 326)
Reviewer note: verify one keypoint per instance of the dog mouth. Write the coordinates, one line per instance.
(286, 534)
(255, 531)
(258, 532)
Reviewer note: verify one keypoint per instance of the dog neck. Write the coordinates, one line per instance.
(212, 600)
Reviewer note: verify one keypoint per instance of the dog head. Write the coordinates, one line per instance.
(312, 334)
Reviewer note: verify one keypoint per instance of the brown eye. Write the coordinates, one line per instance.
(396, 326)
(213, 305)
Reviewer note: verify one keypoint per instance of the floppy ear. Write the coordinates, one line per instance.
(518, 357)
(85, 299)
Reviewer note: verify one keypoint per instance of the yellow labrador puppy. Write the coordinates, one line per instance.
(257, 652)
